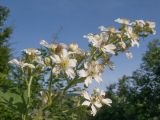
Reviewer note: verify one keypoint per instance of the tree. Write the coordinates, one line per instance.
(5, 33)
(5, 54)
(137, 97)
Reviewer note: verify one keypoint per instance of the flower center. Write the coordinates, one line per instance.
(64, 63)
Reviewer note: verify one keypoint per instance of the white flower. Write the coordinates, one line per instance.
(21, 64)
(44, 97)
(131, 35)
(107, 101)
(152, 26)
(122, 21)
(28, 65)
(73, 47)
(102, 28)
(129, 55)
(44, 43)
(39, 60)
(99, 41)
(91, 71)
(140, 23)
(95, 100)
(49, 46)
(14, 61)
(96, 40)
(112, 30)
(123, 44)
(63, 62)
(109, 29)
(110, 48)
(154, 32)
(32, 51)
(91, 101)
(134, 42)
(99, 92)
(100, 95)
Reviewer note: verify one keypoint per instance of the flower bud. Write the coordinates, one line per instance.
(47, 61)
(73, 47)
(53, 47)
(59, 49)
(88, 53)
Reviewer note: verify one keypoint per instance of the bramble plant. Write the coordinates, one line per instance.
(46, 77)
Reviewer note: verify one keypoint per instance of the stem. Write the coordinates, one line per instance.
(23, 112)
(50, 88)
(72, 83)
(29, 90)
(23, 117)
(49, 91)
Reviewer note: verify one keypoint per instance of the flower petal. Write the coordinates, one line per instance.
(98, 78)
(109, 48)
(44, 43)
(72, 62)
(94, 111)
(86, 103)
(123, 44)
(88, 81)
(98, 104)
(107, 101)
(70, 73)
(65, 54)
(55, 59)
(86, 95)
(56, 70)
(134, 42)
(102, 93)
(14, 61)
(82, 73)
(122, 21)
(129, 55)
(86, 65)
(28, 65)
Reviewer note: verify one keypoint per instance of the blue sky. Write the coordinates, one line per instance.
(34, 20)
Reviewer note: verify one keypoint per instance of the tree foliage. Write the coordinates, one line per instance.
(5, 54)
(5, 33)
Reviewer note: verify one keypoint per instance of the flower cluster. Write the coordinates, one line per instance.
(64, 58)
(70, 65)
(111, 40)
(21, 64)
